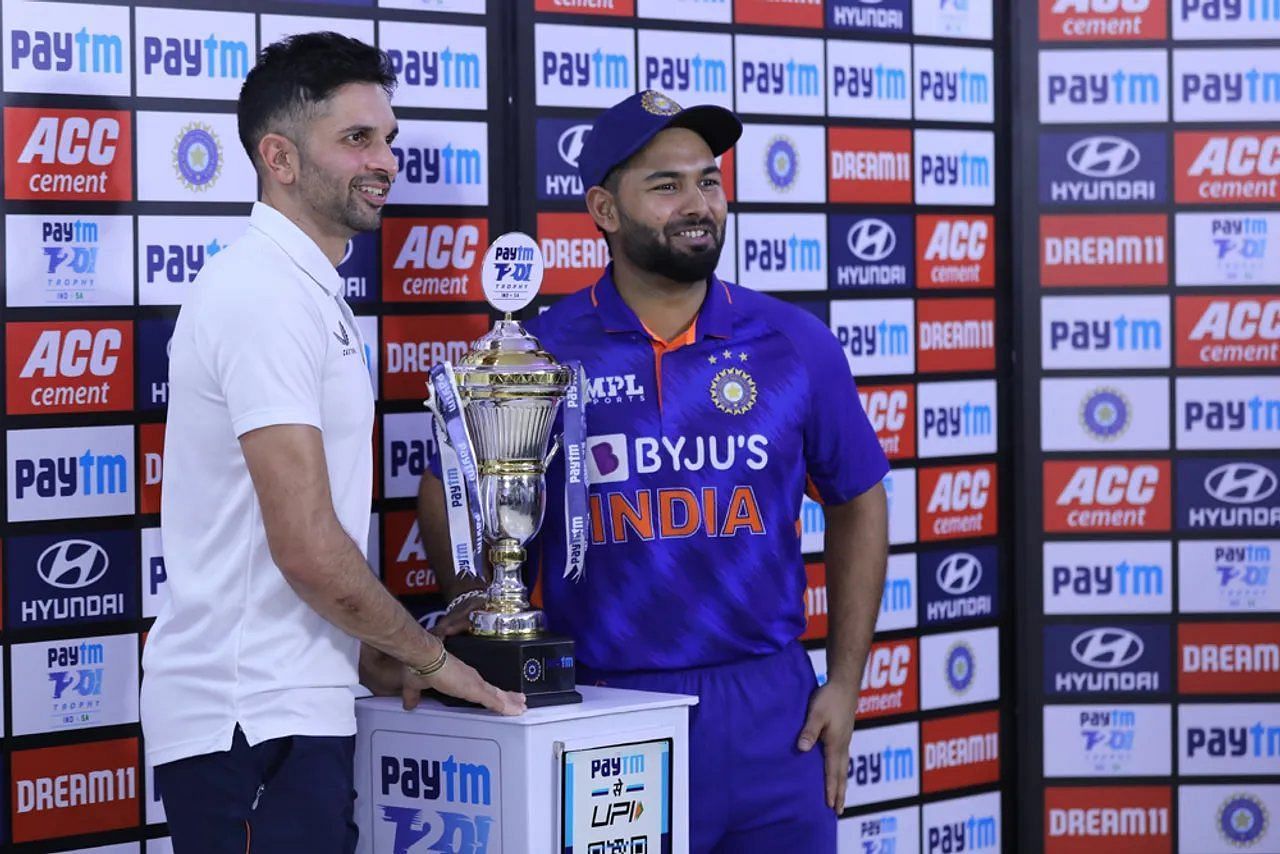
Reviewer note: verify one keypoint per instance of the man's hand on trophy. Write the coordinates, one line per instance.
(459, 679)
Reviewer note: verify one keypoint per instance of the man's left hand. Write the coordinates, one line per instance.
(830, 721)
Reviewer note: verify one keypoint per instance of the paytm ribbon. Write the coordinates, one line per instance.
(575, 474)
(458, 470)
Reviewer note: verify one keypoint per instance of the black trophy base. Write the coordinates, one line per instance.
(539, 667)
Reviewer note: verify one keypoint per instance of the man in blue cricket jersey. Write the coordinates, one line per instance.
(711, 409)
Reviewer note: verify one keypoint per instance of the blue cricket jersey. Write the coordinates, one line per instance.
(697, 459)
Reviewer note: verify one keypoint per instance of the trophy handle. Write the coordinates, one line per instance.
(551, 452)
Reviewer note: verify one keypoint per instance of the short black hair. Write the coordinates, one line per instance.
(297, 73)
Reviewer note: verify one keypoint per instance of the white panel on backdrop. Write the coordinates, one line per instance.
(969, 824)
(1228, 819)
(583, 66)
(163, 845)
(1104, 413)
(119, 848)
(192, 157)
(955, 167)
(1103, 86)
(1236, 739)
(878, 335)
(70, 473)
(880, 832)
(954, 84)
(173, 250)
(813, 525)
(1229, 576)
(1221, 85)
(1225, 19)
(72, 260)
(276, 27)
(956, 418)
(407, 448)
(884, 764)
(1104, 332)
(1228, 248)
(1228, 412)
(692, 68)
(441, 163)
(868, 80)
(155, 573)
(67, 48)
(782, 252)
(727, 269)
(470, 7)
(192, 53)
(1108, 577)
(368, 325)
(898, 601)
(959, 668)
(437, 65)
(900, 492)
(781, 163)
(1107, 741)
(961, 19)
(779, 76)
(710, 11)
(61, 685)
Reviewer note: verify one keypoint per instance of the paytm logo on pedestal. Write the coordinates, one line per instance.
(193, 54)
(782, 252)
(1233, 576)
(779, 76)
(955, 167)
(1228, 248)
(437, 65)
(692, 68)
(868, 80)
(1107, 86)
(46, 52)
(1104, 332)
(583, 66)
(954, 84)
(1107, 577)
(441, 163)
(1220, 85)
(877, 335)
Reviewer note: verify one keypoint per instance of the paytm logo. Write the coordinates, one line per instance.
(1099, 577)
(70, 472)
(869, 79)
(54, 260)
(956, 418)
(1227, 248)
(172, 252)
(88, 57)
(1228, 576)
(693, 68)
(969, 824)
(409, 443)
(1236, 739)
(1226, 19)
(898, 601)
(954, 84)
(883, 764)
(954, 167)
(876, 335)
(1226, 85)
(1103, 86)
(779, 76)
(965, 19)
(782, 252)
(1228, 412)
(441, 163)
(186, 54)
(1107, 741)
(437, 65)
(1115, 332)
(570, 74)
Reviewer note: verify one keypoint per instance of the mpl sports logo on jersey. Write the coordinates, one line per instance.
(786, 13)
(958, 752)
(900, 490)
(583, 66)
(1078, 820)
(891, 411)
(956, 335)
(868, 79)
(441, 163)
(955, 251)
(1224, 85)
(1107, 86)
(1103, 20)
(407, 572)
(574, 251)
(779, 252)
(1228, 248)
(1125, 658)
(959, 668)
(1227, 819)
(437, 65)
(68, 155)
(432, 260)
(1228, 412)
(74, 789)
(1230, 493)
(1228, 658)
(68, 260)
(1104, 249)
(871, 251)
(869, 16)
(881, 833)
(962, 19)
(1104, 332)
(70, 472)
(408, 444)
(1107, 741)
(193, 157)
(692, 68)
(1228, 331)
(90, 57)
(1108, 577)
(1228, 576)
(954, 84)
(779, 76)
(876, 335)
(70, 579)
(172, 251)
(193, 54)
(781, 163)
(1226, 167)
(956, 418)
(1104, 414)
(63, 685)
(869, 165)
(414, 344)
(1236, 739)
(962, 824)
(957, 502)
(884, 764)
(84, 366)
(1082, 496)
(890, 683)
(1113, 168)
(954, 167)
(1225, 19)
(957, 585)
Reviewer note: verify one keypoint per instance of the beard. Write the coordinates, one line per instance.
(335, 199)
(652, 251)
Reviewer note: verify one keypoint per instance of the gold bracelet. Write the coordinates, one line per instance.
(430, 669)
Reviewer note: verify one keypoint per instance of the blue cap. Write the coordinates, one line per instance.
(627, 127)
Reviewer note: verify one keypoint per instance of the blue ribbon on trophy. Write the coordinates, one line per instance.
(458, 470)
(575, 475)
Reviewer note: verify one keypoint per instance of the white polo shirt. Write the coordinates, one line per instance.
(264, 338)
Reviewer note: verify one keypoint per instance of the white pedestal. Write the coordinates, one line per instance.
(558, 779)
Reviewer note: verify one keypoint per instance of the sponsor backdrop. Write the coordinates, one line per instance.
(1149, 257)
(868, 188)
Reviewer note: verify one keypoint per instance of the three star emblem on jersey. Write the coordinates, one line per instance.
(733, 390)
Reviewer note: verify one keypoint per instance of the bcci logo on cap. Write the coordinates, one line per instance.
(960, 667)
(781, 163)
(1242, 820)
(72, 564)
(197, 157)
(1105, 414)
(658, 104)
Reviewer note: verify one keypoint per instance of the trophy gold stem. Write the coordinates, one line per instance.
(507, 613)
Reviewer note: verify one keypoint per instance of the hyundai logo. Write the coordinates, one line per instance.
(570, 144)
(1103, 157)
(959, 573)
(346, 256)
(1240, 483)
(72, 564)
(1107, 648)
(872, 240)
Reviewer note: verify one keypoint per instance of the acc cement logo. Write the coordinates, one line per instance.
(1104, 157)
(1242, 820)
(72, 564)
(781, 163)
(960, 667)
(1107, 648)
(872, 240)
(1105, 413)
(1240, 483)
(197, 157)
(959, 573)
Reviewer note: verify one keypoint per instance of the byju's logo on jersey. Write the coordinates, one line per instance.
(441, 163)
(437, 65)
(871, 251)
(1226, 85)
(957, 585)
(583, 66)
(46, 53)
(1104, 577)
(58, 580)
(1228, 412)
(1228, 248)
(1228, 331)
(869, 79)
(869, 16)
(954, 84)
(193, 54)
(1228, 494)
(693, 68)
(1112, 168)
(954, 167)
(1097, 332)
(1102, 20)
(1108, 659)
(1112, 86)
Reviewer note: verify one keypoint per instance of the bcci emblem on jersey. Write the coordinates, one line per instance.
(733, 391)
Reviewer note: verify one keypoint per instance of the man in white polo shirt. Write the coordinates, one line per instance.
(247, 702)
